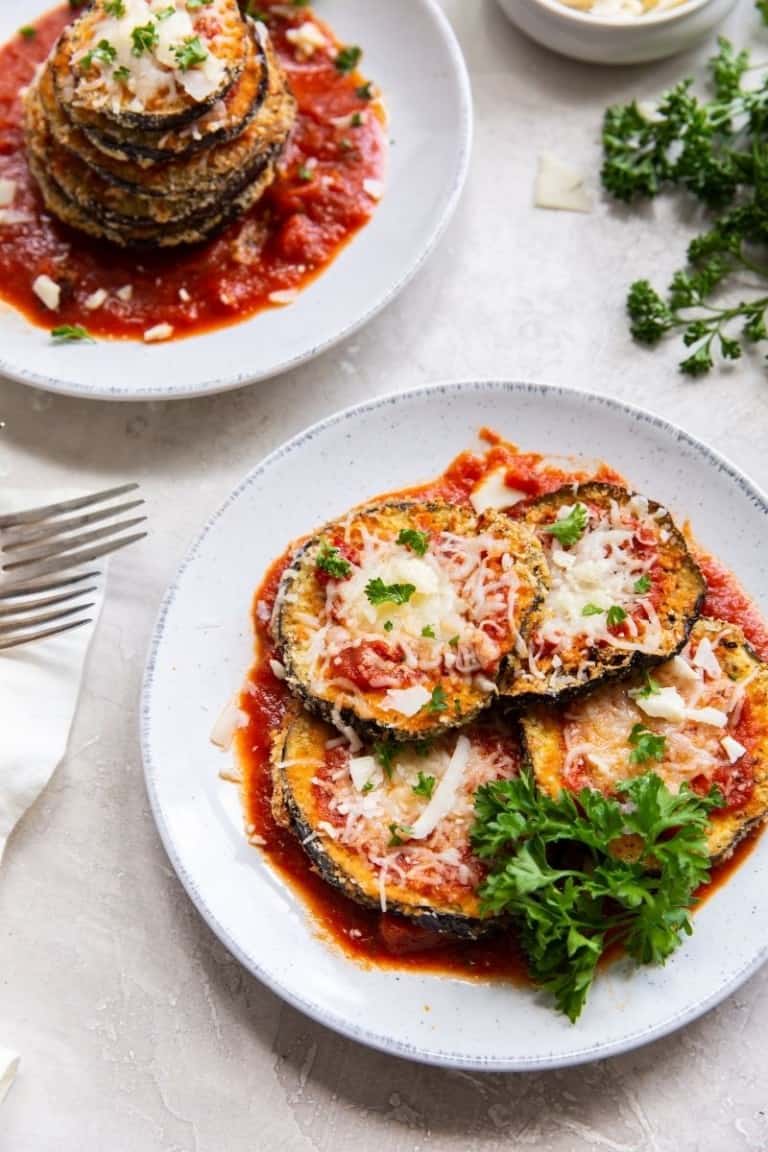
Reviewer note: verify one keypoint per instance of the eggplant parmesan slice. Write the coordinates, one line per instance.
(392, 831)
(699, 719)
(398, 620)
(146, 66)
(625, 591)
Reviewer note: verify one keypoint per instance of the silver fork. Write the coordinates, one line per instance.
(39, 545)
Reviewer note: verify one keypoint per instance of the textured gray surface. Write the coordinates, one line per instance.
(137, 1031)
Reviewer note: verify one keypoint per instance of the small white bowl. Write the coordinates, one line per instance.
(616, 40)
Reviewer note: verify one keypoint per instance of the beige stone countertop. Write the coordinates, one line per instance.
(138, 1032)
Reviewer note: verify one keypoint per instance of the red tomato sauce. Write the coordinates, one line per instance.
(283, 243)
(390, 941)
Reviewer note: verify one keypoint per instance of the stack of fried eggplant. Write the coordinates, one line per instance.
(154, 123)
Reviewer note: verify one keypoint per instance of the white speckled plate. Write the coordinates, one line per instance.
(424, 80)
(202, 648)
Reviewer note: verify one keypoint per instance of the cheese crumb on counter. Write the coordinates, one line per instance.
(560, 187)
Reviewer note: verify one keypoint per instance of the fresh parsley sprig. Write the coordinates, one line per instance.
(716, 150)
(552, 869)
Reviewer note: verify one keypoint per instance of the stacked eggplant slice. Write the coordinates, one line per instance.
(431, 650)
(155, 122)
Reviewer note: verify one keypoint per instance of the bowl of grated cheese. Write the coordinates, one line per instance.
(616, 31)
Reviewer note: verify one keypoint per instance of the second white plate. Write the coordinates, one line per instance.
(412, 54)
(203, 647)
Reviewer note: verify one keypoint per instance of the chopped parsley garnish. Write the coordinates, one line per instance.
(428, 632)
(145, 38)
(115, 8)
(398, 834)
(356, 120)
(28, 32)
(650, 688)
(330, 560)
(367, 787)
(166, 13)
(388, 625)
(122, 73)
(616, 615)
(348, 58)
(422, 747)
(646, 745)
(301, 3)
(104, 52)
(380, 593)
(384, 753)
(712, 148)
(592, 610)
(454, 641)
(439, 700)
(569, 529)
(424, 786)
(305, 173)
(418, 542)
(190, 53)
(345, 144)
(365, 91)
(71, 334)
(551, 868)
(192, 5)
(643, 585)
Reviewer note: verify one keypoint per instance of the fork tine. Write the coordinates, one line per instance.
(44, 618)
(34, 515)
(74, 559)
(17, 642)
(30, 534)
(32, 587)
(46, 602)
(49, 549)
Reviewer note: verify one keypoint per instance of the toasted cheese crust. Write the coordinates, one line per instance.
(624, 591)
(148, 63)
(409, 632)
(376, 839)
(707, 713)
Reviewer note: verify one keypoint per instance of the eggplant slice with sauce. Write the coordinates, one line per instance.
(625, 591)
(393, 832)
(708, 706)
(397, 621)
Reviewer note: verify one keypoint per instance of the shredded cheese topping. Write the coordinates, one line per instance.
(695, 710)
(600, 571)
(460, 619)
(370, 808)
(138, 58)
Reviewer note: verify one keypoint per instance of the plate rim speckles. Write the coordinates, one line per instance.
(476, 1026)
(367, 275)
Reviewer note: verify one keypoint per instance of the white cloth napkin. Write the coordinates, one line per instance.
(39, 688)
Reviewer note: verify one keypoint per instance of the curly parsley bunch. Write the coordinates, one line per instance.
(716, 150)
